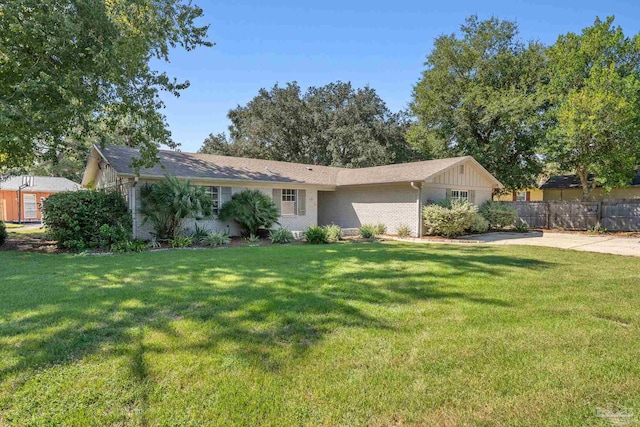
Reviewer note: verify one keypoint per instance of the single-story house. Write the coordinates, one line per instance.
(24, 203)
(524, 195)
(569, 187)
(305, 195)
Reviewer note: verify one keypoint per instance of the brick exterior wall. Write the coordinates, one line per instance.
(350, 207)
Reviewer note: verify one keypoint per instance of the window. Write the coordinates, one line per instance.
(219, 196)
(521, 196)
(30, 206)
(460, 195)
(289, 202)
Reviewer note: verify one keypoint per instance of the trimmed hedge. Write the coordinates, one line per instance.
(3, 233)
(449, 218)
(84, 219)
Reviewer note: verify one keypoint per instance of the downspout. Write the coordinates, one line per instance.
(419, 206)
(133, 202)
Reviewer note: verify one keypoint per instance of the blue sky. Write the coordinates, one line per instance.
(382, 44)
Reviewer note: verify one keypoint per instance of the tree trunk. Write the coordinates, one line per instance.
(584, 181)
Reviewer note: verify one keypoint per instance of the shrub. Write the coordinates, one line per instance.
(379, 229)
(334, 232)
(280, 236)
(448, 218)
(80, 219)
(480, 225)
(498, 214)
(168, 203)
(403, 231)
(316, 235)
(253, 238)
(366, 231)
(129, 246)
(521, 226)
(181, 242)
(199, 233)
(216, 238)
(3, 233)
(251, 209)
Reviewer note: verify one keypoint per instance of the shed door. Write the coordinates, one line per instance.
(30, 207)
(3, 210)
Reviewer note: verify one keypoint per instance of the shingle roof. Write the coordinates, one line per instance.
(573, 181)
(207, 166)
(42, 183)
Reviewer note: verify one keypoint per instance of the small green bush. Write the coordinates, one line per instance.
(181, 242)
(498, 214)
(3, 233)
(251, 209)
(280, 236)
(334, 232)
(253, 238)
(216, 238)
(480, 225)
(448, 218)
(316, 235)
(379, 229)
(82, 219)
(366, 231)
(403, 231)
(521, 226)
(129, 246)
(199, 233)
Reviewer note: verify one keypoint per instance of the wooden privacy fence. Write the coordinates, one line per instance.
(614, 215)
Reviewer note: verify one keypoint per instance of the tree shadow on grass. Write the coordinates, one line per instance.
(270, 303)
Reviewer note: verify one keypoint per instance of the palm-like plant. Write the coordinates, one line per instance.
(251, 209)
(169, 202)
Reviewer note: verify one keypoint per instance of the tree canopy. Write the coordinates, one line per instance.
(481, 94)
(66, 65)
(595, 91)
(333, 125)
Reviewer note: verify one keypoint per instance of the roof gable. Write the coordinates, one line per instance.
(41, 183)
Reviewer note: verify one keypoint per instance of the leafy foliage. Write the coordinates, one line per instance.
(480, 225)
(366, 231)
(379, 229)
(403, 231)
(181, 241)
(333, 125)
(521, 226)
(253, 238)
(316, 235)
(498, 214)
(3, 233)
(81, 219)
(334, 232)
(216, 238)
(169, 202)
(251, 209)
(450, 218)
(595, 91)
(280, 236)
(129, 246)
(482, 95)
(67, 65)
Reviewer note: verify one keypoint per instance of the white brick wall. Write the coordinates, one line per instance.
(350, 207)
(293, 223)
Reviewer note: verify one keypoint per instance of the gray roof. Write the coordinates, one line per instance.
(207, 166)
(45, 184)
(573, 181)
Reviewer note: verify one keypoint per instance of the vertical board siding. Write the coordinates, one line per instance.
(472, 177)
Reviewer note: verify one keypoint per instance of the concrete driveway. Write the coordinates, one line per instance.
(580, 242)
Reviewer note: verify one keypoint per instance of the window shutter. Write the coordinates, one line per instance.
(448, 194)
(302, 202)
(528, 196)
(472, 197)
(515, 196)
(277, 199)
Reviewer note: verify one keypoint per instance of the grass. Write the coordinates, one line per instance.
(346, 334)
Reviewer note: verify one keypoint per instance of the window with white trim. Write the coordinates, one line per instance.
(30, 206)
(460, 195)
(521, 196)
(219, 196)
(289, 202)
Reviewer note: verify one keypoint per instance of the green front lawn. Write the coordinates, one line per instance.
(344, 334)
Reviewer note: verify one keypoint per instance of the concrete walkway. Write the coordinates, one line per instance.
(581, 242)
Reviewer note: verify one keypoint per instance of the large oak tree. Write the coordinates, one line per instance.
(481, 95)
(72, 69)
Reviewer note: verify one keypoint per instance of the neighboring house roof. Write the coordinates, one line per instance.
(44, 184)
(573, 181)
(214, 167)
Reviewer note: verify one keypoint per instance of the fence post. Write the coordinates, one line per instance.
(599, 218)
(548, 214)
